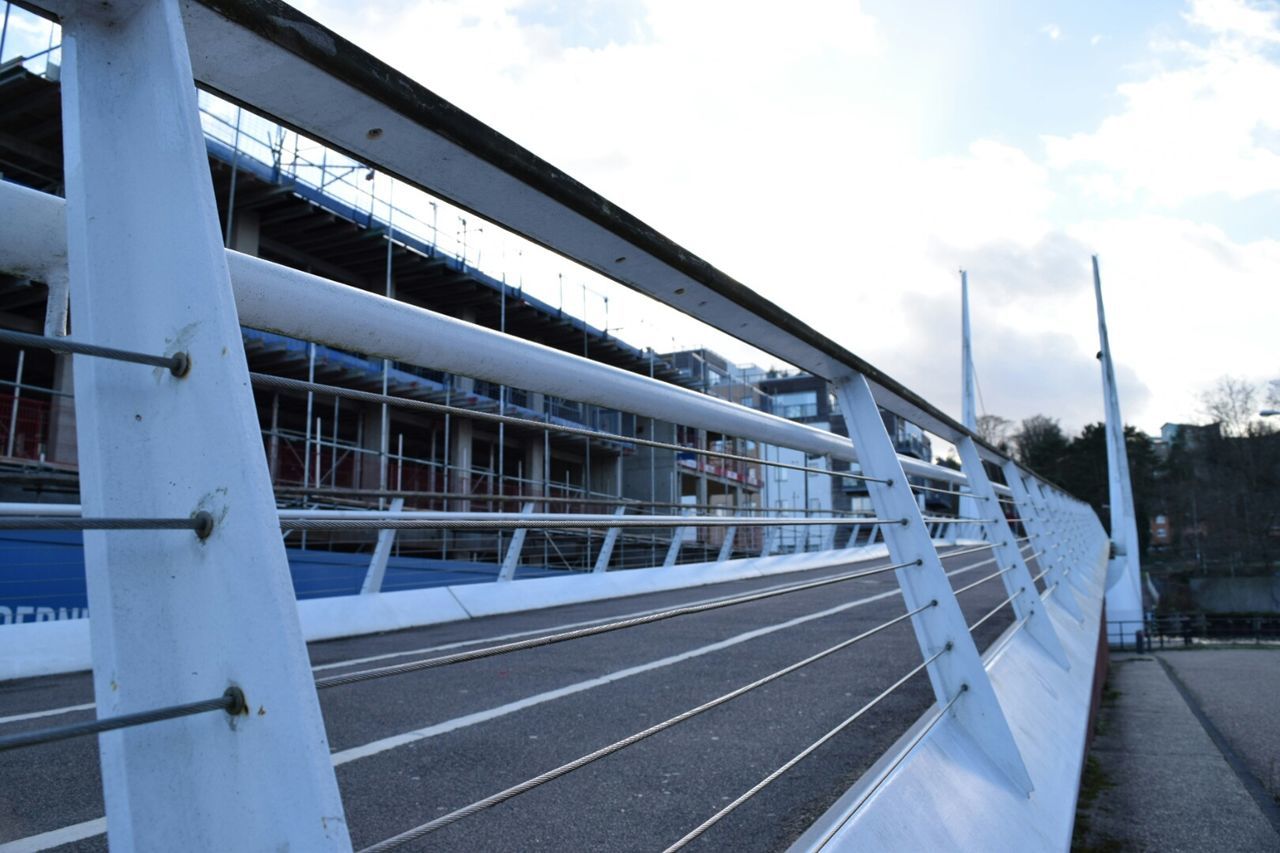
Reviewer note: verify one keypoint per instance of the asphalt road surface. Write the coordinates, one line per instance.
(413, 747)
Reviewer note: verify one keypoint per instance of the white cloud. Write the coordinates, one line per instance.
(1053, 31)
(1237, 19)
(1204, 125)
(777, 146)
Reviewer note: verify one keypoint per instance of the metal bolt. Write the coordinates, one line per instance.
(180, 365)
(204, 524)
(236, 704)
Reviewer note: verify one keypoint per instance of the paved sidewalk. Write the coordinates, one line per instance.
(1158, 781)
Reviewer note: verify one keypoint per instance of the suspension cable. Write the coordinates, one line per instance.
(528, 785)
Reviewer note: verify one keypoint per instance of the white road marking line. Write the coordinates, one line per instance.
(56, 837)
(568, 626)
(342, 664)
(383, 744)
(88, 829)
(52, 712)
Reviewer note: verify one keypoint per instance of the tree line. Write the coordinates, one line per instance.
(1217, 484)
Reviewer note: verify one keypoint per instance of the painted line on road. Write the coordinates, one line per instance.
(515, 635)
(383, 744)
(51, 712)
(88, 829)
(56, 837)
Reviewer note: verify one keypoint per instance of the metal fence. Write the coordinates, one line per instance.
(1186, 630)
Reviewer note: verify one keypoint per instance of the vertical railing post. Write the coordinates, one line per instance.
(726, 547)
(1042, 539)
(923, 581)
(673, 550)
(512, 558)
(770, 540)
(1073, 537)
(381, 554)
(1016, 577)
(177, 618)
(610, 539)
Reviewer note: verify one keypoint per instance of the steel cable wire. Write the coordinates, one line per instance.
(996, 609)
(232, 701)
(462, 657)
(591, 631)
(693, 834)
(200, 522)
(981, 581)
(178, 364)
(888, 771)
(514, 521)
(529, 784)
(281, 383)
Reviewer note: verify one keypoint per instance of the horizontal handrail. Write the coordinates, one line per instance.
(276, 298)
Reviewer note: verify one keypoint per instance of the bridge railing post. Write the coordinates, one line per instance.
(1073, 538)
(177, 618)
(610, 540)
(1043, 538)
(938, 628)
(381, 555)
(511, 560)
(1008, 556)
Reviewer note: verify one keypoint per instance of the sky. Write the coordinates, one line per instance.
(846, 160)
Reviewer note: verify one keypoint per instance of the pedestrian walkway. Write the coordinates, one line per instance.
(1168, 775)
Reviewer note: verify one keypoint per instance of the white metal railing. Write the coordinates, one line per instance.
(161, 446)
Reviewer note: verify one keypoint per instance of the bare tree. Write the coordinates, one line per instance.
(994, 430)
(1232, 402)
(1273, 394)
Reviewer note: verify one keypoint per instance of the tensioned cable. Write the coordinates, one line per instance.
(516, 522)
(996, 609)
(264, 380)
(919, 488)
(537, 499)
(200, 522)
(973, 550)
(888, 771)
(981, 581)
(591, 631)
(1005, 639)
(693, 834)
(178, 364)
(930, 519)
(232, 701)
(529, 784)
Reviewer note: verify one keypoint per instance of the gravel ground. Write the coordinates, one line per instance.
(1157, 783)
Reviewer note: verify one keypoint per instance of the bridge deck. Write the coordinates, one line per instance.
(484, 725)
